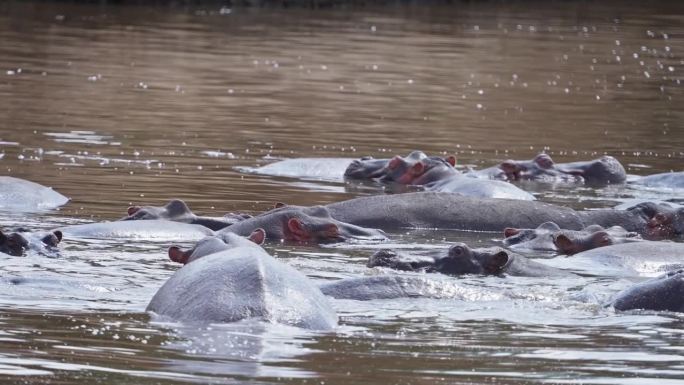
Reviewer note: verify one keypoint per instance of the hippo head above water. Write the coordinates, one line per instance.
(17, 243)
(459, 260)
(662, 220)
(541, 167)
(604, 170)
(215, 244)
(549, 236)
(305, 225)
(418, 169)
(176, 210)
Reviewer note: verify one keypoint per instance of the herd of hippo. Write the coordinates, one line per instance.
(227, 276)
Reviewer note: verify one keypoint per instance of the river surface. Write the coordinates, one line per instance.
(120, 105)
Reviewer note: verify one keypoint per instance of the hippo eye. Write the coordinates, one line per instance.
(457, 251)
(367, 158)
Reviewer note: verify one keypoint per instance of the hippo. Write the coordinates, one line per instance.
(326, 169)
(214, 244)
(541, 168)
(461, 259)
(155, 229)
(601, 171)
(550, 237)
(663, 293)
(452, 211)
(432, 174)
(176, 210)
(672, 180)
(644, 258)
(240, 282)
(26, 196)
(17, 243)
(303, 225)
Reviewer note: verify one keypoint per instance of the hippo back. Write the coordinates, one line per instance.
(674, 180)
(23, 195)
(241, 283)
(481, 188)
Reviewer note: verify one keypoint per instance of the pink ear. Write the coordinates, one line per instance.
(58, 234)
(417, 168)
(394, 162)
(133, 209)
(451, 160)
(258, 236)
(509, 232)
(564, 244)
(297, 230)
(178, 255)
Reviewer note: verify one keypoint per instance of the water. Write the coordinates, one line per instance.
(121, 105)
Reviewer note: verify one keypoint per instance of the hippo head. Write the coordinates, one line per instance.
(13, 243)
(366, 168)
(530, 169)
(418, 169)
(316, 225)
(537, 239)
(604, 170)
(214, 244)
(662, 220)
(392, 259)
(51, 239)
(461, 259)
(176, 209)
(573, 242)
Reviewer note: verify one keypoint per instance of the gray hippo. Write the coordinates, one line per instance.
(432, 174)
(17, 243)
(242, 281)
(327, 169)
(601, 171)
(25, 196)
(451, 211)
(644, 258)
(461, 259)
(154, 230)
(672, 180)
(550, 237)
(176, 210)
(663, 293)
(303, 225)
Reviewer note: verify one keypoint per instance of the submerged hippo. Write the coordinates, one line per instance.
(155, 229)
(176, 210)
(214, 244)
(550, 237)
(645, 258)
(19, 242)
(604, 170)
(23, 195)
(431, 174)
(673, 180)
(451, 211)
(461, 259)
(663, 293)
(240, 282)
(305, 225)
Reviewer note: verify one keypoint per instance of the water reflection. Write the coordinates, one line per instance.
(120, 105)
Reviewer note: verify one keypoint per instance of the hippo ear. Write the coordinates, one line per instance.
(58, 234)
(297, 229)
(417, 168)
(510, 231)
(278, 205)
(496, 263)
(543, 161)
(3, 237)
(563, 243)
(602, 238)
(394, 162)
(451, 160)
(258, 236)
(178, 255)
(132, 210)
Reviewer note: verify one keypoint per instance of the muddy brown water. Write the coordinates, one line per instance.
(115, 105)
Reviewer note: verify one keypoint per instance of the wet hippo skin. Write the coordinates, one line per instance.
(664, 293)
(460, 259)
